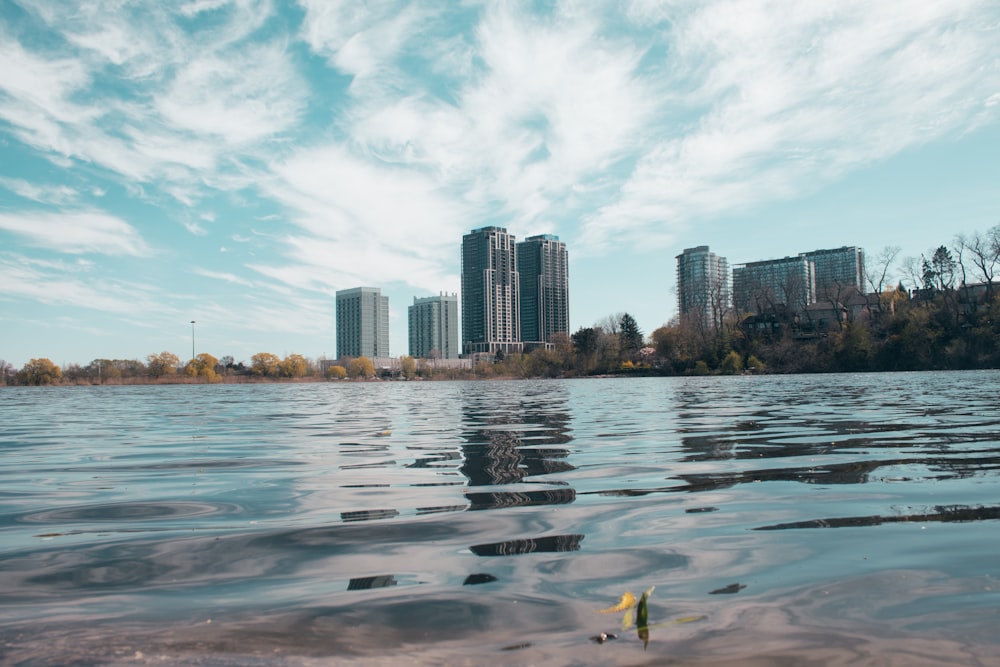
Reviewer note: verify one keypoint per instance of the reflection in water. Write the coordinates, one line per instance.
(497, 499)
(369, 515)
(364, 583)
(507, 428)
(941, 514)
(132, 516)
(553, 543)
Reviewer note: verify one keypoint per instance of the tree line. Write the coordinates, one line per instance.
(938, 311)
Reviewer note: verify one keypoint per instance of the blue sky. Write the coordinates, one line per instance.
(237, 162)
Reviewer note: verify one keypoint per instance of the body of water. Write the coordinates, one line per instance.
(823, 519)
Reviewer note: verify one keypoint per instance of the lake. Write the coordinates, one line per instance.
(812, 519)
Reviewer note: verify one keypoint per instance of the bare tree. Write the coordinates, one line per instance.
(877, 267)
(982, 251)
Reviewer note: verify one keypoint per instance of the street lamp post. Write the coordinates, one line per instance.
(192, 339)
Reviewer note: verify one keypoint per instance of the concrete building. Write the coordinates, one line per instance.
(703, 285)
(434, 327)
(760, 287)
(362, 323)
(543, 267)
(491, 318)
(840, 272)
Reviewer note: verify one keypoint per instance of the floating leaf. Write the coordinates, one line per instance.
(642, 618)
(642, 613)
(627, 601)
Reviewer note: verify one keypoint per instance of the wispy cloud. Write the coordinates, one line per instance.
(76, 233)
(41, 193)
(780, 107)
(61, 286)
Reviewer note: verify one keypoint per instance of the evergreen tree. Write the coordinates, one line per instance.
(629, 334)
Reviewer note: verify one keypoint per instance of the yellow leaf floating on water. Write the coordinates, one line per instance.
(627, 602)
(383, 434)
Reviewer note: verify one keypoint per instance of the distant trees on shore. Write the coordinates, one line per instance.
(948, 318)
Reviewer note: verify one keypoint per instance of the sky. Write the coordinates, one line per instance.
(236, 162)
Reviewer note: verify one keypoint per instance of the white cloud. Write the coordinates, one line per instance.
(195, 228)
(241, 97)
(782, 106)
(78, 232)
(230, 278)
(362, 219)
(43, 194)
(60, 286)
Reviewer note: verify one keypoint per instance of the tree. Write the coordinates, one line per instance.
(103, 370)
(938, 272)
(6, 370)
(877, 268)
(336, 373)
(362, 367)
(164, 363)
(293, 366)
(585, 341)
(264, 363)
(39, 372)
(409, 367)
(202, 366)
(984, 255)
(629, 335)
(732, 364)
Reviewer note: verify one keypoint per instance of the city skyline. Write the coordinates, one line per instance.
(237, 162)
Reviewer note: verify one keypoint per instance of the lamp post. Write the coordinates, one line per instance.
(192, 339)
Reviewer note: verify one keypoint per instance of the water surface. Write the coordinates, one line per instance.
(825, 519)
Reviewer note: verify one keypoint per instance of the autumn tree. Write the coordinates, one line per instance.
(164, 363)
(409, 367)
(103, 370)
(264, 363)
(361, 367)
(293, 366)
(39, 372)
(336, 373)
(202, 366)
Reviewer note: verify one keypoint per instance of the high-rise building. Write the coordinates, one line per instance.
(434, 327)
(703, 285)
(490, 292)
(543, 267)
(840, 272)
(362, 323)
(760, 287)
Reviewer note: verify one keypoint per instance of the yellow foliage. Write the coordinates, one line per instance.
(293, 366)
(336, 373)
(627, 601)
(362, 367)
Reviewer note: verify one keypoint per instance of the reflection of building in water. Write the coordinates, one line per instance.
(501, 457)
(551, 543)
(511, 436)
(364, 583)
(369, 515)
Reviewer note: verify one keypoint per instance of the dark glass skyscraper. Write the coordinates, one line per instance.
(543, 266)
(490, 292)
